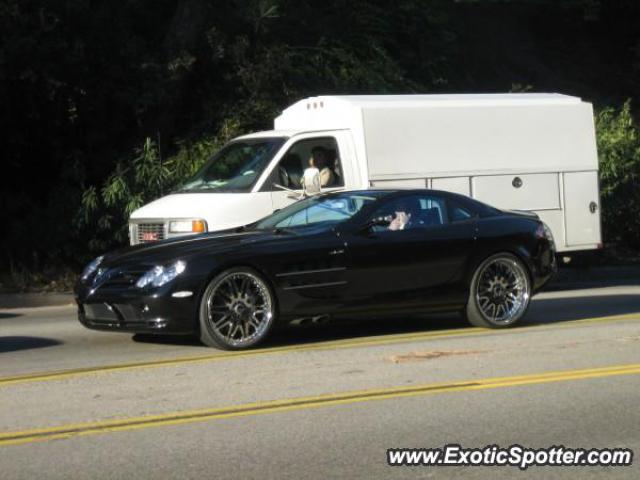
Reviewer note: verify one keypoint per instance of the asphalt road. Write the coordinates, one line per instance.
(321, 402)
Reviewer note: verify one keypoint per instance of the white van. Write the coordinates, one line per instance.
(534, 152)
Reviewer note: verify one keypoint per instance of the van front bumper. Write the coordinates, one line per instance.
(156, 229)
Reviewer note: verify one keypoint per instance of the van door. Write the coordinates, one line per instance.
(326, 150)
(581, 208)
(535, 191)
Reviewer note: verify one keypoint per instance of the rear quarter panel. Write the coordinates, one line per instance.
(515, 235)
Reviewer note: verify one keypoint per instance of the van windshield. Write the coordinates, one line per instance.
(236, 167)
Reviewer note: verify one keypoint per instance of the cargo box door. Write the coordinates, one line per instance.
(581, 208)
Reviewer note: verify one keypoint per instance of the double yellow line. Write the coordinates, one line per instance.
(327, 345)
(301, 403)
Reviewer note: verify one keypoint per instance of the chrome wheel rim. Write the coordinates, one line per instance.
(503, 291)
(239, 308)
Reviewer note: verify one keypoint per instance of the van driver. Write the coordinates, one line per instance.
(320, 160)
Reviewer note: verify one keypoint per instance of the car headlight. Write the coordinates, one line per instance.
(91, 267)
(160, 275)
(187, 226)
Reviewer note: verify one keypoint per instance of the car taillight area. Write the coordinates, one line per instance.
(543, 231)
(548, 256)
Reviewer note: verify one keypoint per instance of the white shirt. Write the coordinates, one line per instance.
(311, 180)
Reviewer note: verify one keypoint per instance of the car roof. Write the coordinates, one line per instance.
(399, 191)
(390, 193)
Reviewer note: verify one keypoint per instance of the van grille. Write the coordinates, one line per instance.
(150, 232)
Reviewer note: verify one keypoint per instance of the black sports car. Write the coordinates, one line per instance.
(343, 254)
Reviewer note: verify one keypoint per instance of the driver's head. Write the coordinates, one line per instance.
(401, 207)
(319, 158)
(407, 206)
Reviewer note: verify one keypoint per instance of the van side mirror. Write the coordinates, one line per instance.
(291, 193)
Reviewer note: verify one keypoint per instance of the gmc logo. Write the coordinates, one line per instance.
(149, 236)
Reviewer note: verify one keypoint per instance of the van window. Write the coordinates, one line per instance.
(321, 153)
(236, 167)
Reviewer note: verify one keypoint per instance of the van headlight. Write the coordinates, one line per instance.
(91, 267)
(187, 226)
(160, 275)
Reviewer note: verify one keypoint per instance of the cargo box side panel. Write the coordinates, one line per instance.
(404, 183)
(582, 209)
(519, 192)
(459, 185)
(466, 140)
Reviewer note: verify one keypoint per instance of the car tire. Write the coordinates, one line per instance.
(500, 292)
(237, 310)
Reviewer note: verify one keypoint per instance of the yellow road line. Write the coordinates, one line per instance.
(301, 403)
(327, 345)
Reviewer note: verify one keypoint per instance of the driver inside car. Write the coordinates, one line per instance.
(407, 214)
(400, 220)
(404, 211)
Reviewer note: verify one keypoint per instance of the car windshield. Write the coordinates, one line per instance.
(236, 167)
(320, 210)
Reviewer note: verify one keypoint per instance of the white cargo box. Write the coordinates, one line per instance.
(533, 152)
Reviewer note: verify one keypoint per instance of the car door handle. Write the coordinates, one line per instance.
(337, 251)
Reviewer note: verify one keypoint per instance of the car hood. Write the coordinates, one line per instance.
(166, 251)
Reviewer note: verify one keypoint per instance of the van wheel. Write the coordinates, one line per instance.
(237, 310)
(500, 292)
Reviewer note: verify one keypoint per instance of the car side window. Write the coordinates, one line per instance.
(322, 212)
(411, 212)
(459, 213)
(321, 153)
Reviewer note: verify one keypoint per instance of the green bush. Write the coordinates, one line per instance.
(105, 209)
(619, 153)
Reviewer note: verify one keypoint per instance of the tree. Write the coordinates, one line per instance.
(619, 152)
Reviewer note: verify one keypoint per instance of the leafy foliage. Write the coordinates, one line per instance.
(619, 151)
(92, 92)
(104, 212)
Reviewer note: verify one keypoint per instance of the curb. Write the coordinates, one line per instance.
(571, 278)
(31, 300)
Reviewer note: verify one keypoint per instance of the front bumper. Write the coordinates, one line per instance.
(152, 313)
